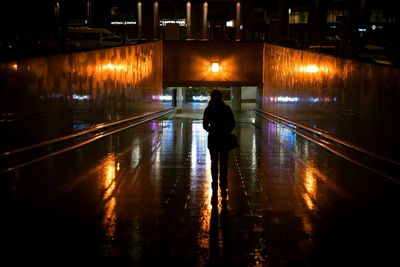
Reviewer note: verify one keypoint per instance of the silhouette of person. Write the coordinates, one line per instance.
(218, 121)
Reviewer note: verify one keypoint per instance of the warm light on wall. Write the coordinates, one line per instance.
(309, 68)
(215, 67)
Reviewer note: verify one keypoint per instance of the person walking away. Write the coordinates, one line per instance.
(218, 121)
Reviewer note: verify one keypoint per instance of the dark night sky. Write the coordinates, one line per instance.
(32, 18)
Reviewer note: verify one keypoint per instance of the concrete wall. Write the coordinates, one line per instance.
(353, 100)
(249, 94)
(189, 63)
(45, 97)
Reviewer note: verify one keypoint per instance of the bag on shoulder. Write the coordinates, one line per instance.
(233, 142)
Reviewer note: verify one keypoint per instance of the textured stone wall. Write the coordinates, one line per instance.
(354, 100)
(58, 94)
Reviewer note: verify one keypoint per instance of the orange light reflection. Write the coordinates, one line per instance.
(198, 148)
(310, 184)
(108, 183)
(313, 68)
(93, 72)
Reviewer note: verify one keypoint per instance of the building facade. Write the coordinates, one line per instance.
(346, 25)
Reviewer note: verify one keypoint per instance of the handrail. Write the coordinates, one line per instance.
(324, 143)
(85, 142)
(90, 129)
(330, 137)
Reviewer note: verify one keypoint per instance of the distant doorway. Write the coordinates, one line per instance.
(191, 101)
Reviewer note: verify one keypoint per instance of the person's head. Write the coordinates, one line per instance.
(216, 96)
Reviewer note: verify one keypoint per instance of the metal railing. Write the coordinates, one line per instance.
(91, 134)
(374, 162)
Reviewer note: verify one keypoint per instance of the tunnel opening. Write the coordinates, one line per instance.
(190, 101)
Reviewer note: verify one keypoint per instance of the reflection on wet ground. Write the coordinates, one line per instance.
(377, 134)
(143, 197)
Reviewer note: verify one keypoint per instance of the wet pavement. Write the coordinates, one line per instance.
(143, 197)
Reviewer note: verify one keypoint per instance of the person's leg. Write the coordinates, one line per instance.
(223, 168)
(214, 168)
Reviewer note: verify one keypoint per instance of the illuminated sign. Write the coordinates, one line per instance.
(164, 22)
(162, 97)
(230, 23)
(200, 98)
(123, 22)
(288, 99)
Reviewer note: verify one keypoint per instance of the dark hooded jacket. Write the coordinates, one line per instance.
(218, 121)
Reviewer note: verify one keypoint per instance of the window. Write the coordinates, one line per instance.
(379, 16)
(298, 17)
(114, 11)
(335, 16)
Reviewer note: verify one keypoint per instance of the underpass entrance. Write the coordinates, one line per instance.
(192, 100)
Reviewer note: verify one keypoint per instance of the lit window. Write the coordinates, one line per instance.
(379, 16)
(335, 16)
(114, 11)
(298, 17)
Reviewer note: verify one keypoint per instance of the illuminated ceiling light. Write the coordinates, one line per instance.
(215, 67)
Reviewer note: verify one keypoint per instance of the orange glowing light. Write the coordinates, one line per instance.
(313, 69)
(310, 184)
(215, 67)
(108, 184)
(309, 69)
